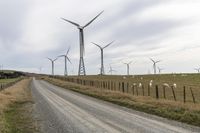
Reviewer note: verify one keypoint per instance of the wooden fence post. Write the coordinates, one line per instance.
(114, 85)
(136, 90)
(193, 98)
(133, 89)
(123, 87)
(173, 93)
(127, 87)
(142, 89)
(148, 90)
(184, 94)
(119, 87)
(157, 93)
(164, 95)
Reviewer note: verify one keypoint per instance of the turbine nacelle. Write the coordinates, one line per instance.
(80, 27)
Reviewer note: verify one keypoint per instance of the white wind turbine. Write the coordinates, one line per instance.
(52, 64)
(81, 70)
(128, 66)
(111, 70)
(102, 72)
(154, 64)
(66, 59)
(160, 70)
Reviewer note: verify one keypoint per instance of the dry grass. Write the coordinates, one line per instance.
(8, 99)
(188, 112)
(13, 93)
(188, 80)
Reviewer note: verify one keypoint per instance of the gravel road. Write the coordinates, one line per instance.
(64, 111)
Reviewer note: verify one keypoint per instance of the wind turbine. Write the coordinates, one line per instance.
(66, 58)
(1, 67)
(81, 70)
(197, 69)
(52, 64)
(127, 66)
(102, 63)
(154, 64)
(160, 69)
(111, 70)
(40, 69)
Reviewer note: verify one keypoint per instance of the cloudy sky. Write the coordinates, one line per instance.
(167, 30)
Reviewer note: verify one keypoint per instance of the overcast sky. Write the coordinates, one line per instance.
(167, 30)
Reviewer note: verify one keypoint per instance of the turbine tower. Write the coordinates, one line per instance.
(52, 64)
(66, 59)
(160, 69)
(154, 64)
(81, 70)
(111, 70)
(40, 69)
(127, 66)
(102, 72)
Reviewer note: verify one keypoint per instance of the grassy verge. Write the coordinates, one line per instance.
(16, 108)
(4, 81)
(187, 113)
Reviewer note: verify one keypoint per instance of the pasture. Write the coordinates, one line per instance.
(186, 88)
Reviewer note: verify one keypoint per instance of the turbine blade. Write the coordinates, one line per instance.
(158, 61)
(70, 22)
(93, 19)
(97, 45)
(61, 56)
(55, 59)
(69, 60)
(108, 44)
(130, 62)
(152, 60)
(49, 59)
(68, 51)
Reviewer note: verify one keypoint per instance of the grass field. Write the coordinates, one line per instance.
(190, 81)
(4, 81)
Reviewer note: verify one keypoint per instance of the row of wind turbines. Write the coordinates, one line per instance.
(81, 70)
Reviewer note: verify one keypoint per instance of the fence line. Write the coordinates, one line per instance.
(123, 86)
(6, 85)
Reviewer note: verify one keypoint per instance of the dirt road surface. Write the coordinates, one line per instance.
(64, 111)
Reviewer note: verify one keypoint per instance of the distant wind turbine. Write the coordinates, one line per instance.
(81, 70)
(40, 69)
(197, 69)
(127, 66)
(160, 70)
(154, 64)
(52, 64)
(66, 59)
(102, 72)
(1, 67)
(111, 70)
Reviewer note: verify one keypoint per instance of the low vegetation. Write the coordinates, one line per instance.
(15, 109)
(175, 110)
(5, 81)
(142, 82)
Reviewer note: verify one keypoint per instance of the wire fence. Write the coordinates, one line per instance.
(6, 85)
(183, 93)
